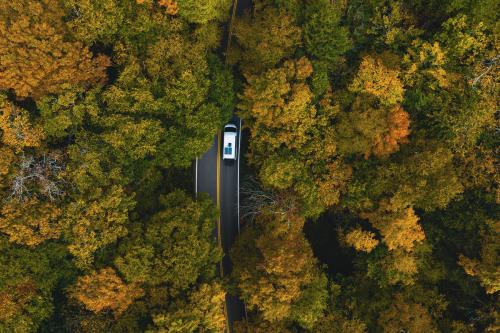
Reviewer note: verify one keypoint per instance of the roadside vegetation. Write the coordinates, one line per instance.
(371, 203)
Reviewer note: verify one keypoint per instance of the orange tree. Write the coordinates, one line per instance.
(36, 55)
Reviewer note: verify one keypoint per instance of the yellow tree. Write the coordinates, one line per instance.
(401, 233)
(16, 129)
(104, 290)
(399, 228)
(36, 56)
(398, 129)
(375, 78)
(278, 106)
(31, 222)
(403, 316)
(15, 299)
(203, 311)
(6, 161)
(263, 271)
(292, 139)
(376, 123)
(97, 222)
(360, 239)
(22, 306)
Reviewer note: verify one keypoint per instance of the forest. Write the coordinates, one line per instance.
(370, 187)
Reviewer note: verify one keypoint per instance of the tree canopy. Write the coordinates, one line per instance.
(368, 191)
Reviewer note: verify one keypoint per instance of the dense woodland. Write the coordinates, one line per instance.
(371, 185)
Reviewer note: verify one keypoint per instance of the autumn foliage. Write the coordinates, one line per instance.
(360, 239)
(266, 279)
(398, 226)
(104, 290)
(36, 57)
(17, 130)
(408, 316)
(16, 299)
(369, 183)
(31, 222)
(396, 134)
(375, 78)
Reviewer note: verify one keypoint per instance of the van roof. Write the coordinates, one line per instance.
(229, 142)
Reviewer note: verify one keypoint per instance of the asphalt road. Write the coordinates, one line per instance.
(225, 195)
(219, 179)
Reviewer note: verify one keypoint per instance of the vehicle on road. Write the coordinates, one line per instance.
(229, 149)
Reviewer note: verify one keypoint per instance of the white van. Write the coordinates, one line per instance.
(229, 148)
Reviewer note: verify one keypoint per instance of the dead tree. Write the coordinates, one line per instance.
(255, 200)
(39, 176)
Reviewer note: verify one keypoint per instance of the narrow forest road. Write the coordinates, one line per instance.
(220, 179)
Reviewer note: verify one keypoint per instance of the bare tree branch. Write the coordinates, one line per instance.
(38, 176)
(489, 64)
(256, 200)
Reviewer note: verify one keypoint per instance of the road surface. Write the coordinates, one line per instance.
(219, 179)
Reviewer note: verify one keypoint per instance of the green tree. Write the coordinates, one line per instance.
(382, 25)
(486, 269)
(63, 115)
(96, 222)
(96, 20)
(464, 41)
(423, 176)
(28, 281)
(222, 88)
(203, 310)
(434, 167)
(311, 303)
(338, 323)
(424, 65)
(324, 37)
(176, 248)
(264, 39)
(173, 87)
(204, 11)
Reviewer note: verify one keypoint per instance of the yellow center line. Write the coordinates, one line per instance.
(219, 235)
(235, 4)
